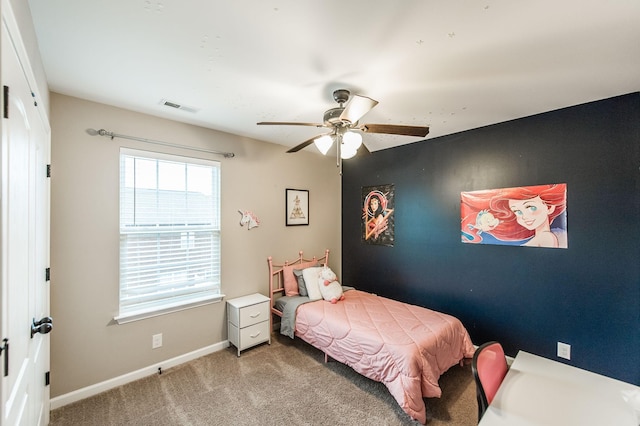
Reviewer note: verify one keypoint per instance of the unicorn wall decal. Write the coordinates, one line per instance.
(249, 218)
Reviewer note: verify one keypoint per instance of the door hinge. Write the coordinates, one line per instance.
(35, 103)
(47, 379)
(5, 348)
(48, 170)
(47, 274)
(5, 102)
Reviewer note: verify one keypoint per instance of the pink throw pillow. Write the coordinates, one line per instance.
(290, 281)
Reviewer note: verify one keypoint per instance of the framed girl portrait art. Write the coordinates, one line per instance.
(531, 216)
(377, 215)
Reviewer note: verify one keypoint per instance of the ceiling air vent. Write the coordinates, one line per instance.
(178, 106)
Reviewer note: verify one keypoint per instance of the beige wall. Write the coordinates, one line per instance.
(87, 347)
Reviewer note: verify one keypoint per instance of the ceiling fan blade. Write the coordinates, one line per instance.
(357, 107)
(288, 123)
(395, 129)
(307, 143)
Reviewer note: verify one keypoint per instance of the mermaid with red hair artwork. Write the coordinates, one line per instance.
(528, 216)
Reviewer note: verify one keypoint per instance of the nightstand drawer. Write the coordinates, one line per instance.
(253, 335)
(248, 321)
(254, 314)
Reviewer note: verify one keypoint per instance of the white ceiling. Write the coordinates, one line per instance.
(453, 65)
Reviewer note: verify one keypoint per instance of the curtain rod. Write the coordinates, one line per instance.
(103, 132)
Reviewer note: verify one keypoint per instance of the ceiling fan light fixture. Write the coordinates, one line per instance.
(351, 141)
(323, 143)
(345, 154)
(342, 121)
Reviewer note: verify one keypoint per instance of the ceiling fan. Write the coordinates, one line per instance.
(343, 120)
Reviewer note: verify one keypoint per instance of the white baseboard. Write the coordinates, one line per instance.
(77, 395)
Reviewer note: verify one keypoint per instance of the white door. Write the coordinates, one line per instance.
(24, 230)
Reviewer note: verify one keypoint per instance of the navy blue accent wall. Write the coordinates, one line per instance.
(527, 298)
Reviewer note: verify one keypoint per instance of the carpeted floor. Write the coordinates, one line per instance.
(285, 383)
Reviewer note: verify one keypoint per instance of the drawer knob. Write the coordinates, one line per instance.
(253, 336)
(256, 315)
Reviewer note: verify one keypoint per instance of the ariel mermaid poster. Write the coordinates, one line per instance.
(377, 215)
(532, 216)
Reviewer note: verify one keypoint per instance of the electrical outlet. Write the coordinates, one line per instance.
(564, 350)
(156, 341)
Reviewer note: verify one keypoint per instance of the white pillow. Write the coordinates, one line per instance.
(310, 276)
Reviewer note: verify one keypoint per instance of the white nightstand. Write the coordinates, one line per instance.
(248, 321)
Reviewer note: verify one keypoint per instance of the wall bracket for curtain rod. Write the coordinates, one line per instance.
(103, 132)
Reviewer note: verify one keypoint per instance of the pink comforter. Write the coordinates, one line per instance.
(406, 347)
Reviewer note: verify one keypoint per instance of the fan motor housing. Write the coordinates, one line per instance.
(332, 116)
(341, 96)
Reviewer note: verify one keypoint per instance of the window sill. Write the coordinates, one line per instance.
(137, 316)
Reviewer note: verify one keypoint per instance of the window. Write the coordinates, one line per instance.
(169, 233)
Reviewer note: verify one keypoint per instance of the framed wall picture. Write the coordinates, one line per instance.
(297, 207)
(533, 216)
(378, 224)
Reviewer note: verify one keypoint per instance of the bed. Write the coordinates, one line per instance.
(403, 346)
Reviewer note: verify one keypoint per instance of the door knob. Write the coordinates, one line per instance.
(44, 326)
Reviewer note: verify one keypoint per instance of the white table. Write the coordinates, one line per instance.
(539, 391)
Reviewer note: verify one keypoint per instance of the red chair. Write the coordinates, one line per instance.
(489, 367)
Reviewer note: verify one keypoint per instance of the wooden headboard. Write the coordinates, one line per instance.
(276, 276)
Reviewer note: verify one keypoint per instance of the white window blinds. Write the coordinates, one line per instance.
(169, 232)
